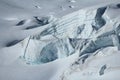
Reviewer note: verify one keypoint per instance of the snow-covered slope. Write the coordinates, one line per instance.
(66, 40)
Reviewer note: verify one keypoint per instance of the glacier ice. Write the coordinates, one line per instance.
(63, 36)
(118, 5)
(99, 20)
(101, 72)
(48, 53)
(83, 45)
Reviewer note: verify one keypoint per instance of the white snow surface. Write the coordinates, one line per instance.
(67, 19)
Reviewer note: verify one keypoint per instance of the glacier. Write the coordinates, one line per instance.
(59, 40)
(61, 35)
(82, 30)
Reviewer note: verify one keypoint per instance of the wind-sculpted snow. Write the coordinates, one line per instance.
(9, 44)
(20, 23)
